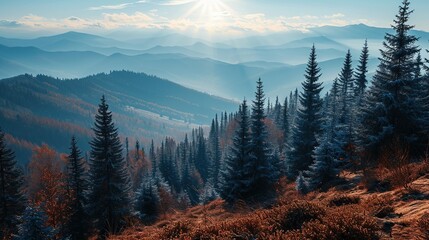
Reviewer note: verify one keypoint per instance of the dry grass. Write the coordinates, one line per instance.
(351, 214)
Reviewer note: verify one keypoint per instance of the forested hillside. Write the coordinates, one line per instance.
(41, 109)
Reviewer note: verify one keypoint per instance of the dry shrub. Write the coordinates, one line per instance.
(292, 216)
(239, 228)
(380, 206)
(423, 226)
(175, 230)
(341, 200)
(344, 222)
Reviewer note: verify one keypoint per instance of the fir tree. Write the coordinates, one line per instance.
(109, 199)
(344, 136)
(361, 71)
(77, 185)
(201, 158)
(391, 110)
(300, 184)
(234, 183)
(260, 172)
(215, 154)
(326, 154)
(308, 122)
(33, 226)
(148, 200)
(12, 200)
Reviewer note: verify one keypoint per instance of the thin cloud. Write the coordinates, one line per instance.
(9, 24)
(177, 2)
(111, 7)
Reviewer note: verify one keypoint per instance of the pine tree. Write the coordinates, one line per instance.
(12, 200)
(234, 183)
(391, 112)
(110, 197)
(361, 71)
(77, 185)
(344, 136)
(260, 172)
(148, 200)
(326, 166)
(33, 226)
(308, 122)
(215, 154)
(285, 122)
(201, 158)
(300, 184)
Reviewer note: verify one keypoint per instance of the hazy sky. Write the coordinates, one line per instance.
(198, 17)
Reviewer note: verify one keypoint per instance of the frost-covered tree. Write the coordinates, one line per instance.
(12, 199)
(344, 136)
(33, 226)
(77, 185)
(391, 109)
(234, 182)
(300, 184)
(325, 167)
(110, 186)
(147, 200)
(308, 123)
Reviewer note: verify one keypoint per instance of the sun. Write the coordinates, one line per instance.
(208, 9)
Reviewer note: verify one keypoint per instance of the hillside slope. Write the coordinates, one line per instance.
(144, 107)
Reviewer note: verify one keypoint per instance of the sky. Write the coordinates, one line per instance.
(203, 18)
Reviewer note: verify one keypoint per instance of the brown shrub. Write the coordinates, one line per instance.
(379, 206)
(175, 230)
(294, 215)
(239, 228)
(340, 223)
(423, 226)
(342, 200)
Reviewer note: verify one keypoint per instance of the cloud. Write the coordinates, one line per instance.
(176, 2)
(111, 7)
(221, 22)
(9, 24)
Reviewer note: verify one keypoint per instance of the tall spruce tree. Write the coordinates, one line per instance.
(326, 165)
(77, 185)
(390, 114)
(260, 172)
(215, 154)
(110, 197)
(234, 182)
(344, 136)
(12, 199)
(361, 71)
(308, 122)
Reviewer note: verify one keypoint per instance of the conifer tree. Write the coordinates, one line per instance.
(361, 71)
(260, 172)
(344, 136)
(215, 154)
(391, 111)
(234, 183)
(308, 122)
(147, 200)
(33, 226)
(110, 197)
(77, 186)
(326, 167)
(12, 199)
